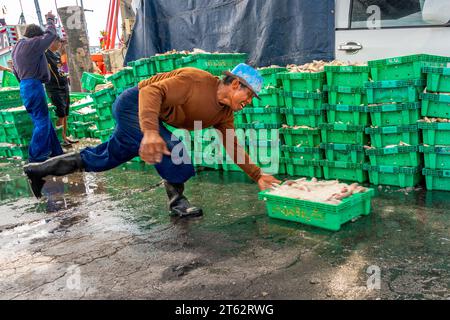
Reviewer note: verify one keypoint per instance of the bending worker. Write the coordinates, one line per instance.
(30, 67)
(178, 98)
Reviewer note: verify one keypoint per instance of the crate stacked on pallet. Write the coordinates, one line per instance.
(304, 111)
(343, 135)
(436, 128)
(15, 133)
(394, 97)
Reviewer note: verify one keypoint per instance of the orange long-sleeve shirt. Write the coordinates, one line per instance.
(184, 96)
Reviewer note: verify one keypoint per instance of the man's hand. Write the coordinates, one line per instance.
(153, 147)
(50, 15)
(266, 181)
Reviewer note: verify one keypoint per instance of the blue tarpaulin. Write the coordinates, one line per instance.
(270, 31)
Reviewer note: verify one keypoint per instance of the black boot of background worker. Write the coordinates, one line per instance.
(178, 203)
(57, 166)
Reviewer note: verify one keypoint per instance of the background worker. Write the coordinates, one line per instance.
(179, 98)
(58, 88)
(30, 67)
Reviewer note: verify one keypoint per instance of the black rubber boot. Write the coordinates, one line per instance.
(57, 166)
(178, 203)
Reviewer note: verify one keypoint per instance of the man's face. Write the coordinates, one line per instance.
(240, 96)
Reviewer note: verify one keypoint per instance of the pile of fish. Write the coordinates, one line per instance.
(329, 192)
(400, 144)
(432, 120)
(87, 99)
(86, 110)
(319, 66)
(194, 51)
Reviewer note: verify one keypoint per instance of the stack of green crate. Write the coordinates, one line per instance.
(122, 80)
(15, 133)
(304, 104)
(436, 135)
(214, 63)
(142, 69)
(10, 98)
(105, 123)
(394, 99)
(343, 135)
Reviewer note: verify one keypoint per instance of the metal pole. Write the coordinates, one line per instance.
(38, 12)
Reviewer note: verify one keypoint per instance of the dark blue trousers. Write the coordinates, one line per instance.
(44, 142)
(125, 141)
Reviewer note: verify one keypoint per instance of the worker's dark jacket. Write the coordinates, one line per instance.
(58, 79)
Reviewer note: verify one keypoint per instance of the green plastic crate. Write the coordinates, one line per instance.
(402, 156)
(396, 114)
(143, 68)
(301, 137)
(104, 109)
(436, 157)
(207, 160)
(352, 96)
(260, 131)
(18, 152)
(435, 105)
(302, 81)
(223, 61)
(265, 148)
(343, 133)
(304, 153)
(18, 130)
(270, 76)
(405, 67)
(2, 135)
(353, 115)
(303, 117)
(347, 76)
(239, 118)
(435, 133)
(80, 129)
(9, 79)
(122, 79)
(10, 98)
(107, 95)
(105, 122)
(103, 135)
(137, 80)
(264, 115)
(167, 63)
(342, 152)
(437, 179)
(344, 171)
(400, 91)
(90, 80)
(303, 168)
(304, 100)
(269, 97)
(438, 79)
(15, 116)
(326, 216)
(381, 137)
(403, 177)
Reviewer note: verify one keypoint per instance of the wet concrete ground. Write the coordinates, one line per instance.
(109, 235)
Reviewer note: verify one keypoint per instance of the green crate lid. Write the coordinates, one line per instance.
(342, 147)
(408, 59)
(392, 150)
(300, 131)
(342, 127)
(392, 169)
(301, 162)
(344, 89)
(443, 71)
(300, 75)
(435, 97)
(269, 71)
(302, 112)
(261, 110)
(393, 129)
(341, 164)
(435, 149)
(301, 149)
(436, 173)
(433, 126)
(346, 108)
(257, 126)
(395, 84)
(394, 107)
(347, 69)
(303, 95)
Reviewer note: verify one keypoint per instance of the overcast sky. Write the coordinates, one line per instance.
(96, 21)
